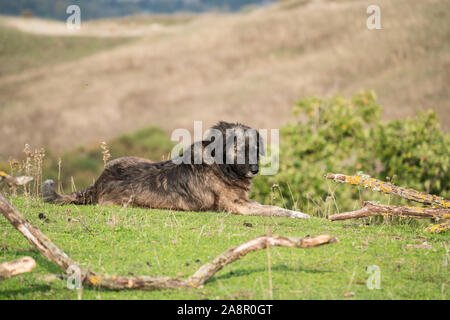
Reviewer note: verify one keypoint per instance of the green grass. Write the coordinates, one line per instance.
(132, 241)
(21, 51)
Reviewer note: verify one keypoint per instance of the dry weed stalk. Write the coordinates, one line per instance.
(105, 152)
(32, 166)
(72, 184)
(38, 161)
(59, 175)
(27, 163)
(14, 165)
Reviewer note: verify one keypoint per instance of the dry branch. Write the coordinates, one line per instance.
(209, 269)
(439, 227)
(386, 187)
(89, 278)
(34, 235)
(372, 209)
(232, 254)
(14, 181)
(13, 268)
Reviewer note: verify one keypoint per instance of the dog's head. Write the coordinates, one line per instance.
(241, 147)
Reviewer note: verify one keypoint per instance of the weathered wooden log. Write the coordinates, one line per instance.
(13, 268)
(89, 278)
(389, 188)
(372, 209)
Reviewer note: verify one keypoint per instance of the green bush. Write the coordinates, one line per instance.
(347, 136)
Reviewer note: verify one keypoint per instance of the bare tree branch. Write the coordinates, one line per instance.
(89, 278)
(232, 254)
(13, 268)
(441, 227)
(209, 269)
(14, 181)
(386, 187)
(372, 209)
(34, 235)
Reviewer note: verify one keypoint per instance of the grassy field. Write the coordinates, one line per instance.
(130, 241)
(118, 78)
(22, 51)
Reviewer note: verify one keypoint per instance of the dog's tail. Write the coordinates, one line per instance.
(85, 196)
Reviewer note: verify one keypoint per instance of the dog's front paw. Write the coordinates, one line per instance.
(299, 215)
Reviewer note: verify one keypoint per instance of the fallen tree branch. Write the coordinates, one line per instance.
(14, 181)
(439, 227)
(89, 278)
(208, 270)
(34, 235)
(386, 187)
(372, 209)
(13, 268)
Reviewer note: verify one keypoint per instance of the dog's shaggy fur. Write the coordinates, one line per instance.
(168, 185)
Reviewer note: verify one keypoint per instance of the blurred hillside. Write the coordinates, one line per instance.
(61, 89)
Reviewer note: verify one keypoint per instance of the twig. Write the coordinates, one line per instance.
(6, 247)
(13, 268)
(386, 187)
(372, 209)
(89, 278)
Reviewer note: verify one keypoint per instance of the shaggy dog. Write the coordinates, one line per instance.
(219, 183)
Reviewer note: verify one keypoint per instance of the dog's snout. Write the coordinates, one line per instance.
(254, 169)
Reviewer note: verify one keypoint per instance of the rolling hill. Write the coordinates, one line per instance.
(60, 90)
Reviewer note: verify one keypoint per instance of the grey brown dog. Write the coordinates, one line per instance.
(189, 186)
